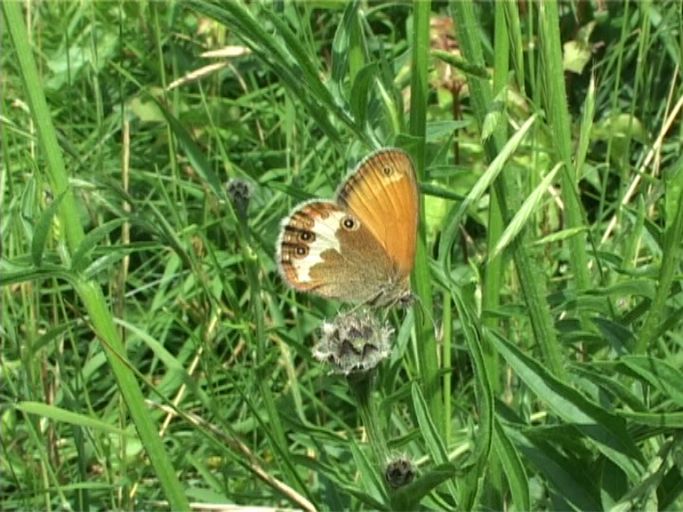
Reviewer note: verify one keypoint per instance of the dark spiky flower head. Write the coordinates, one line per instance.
(399, 471)
(239, 193)
(353, 342)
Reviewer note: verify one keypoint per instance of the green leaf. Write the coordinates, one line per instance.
(668, 420)
(375, 493)
(409, 497)
(10, 274)
(450, 230)
(42, 229)
(193, 153)
(72, 418)
(561, 235)
(360, 92)
(674, 189)
(433, 441)
(514, 468)
(602, 376)
(576, 56)
(664, 377)
(495, 118)
(564, 475)
(621, 126)
(437, 130)
(607, 431)
(80, 257)
(585, 130)
(619, 336)
(522, 216)
(341, 44)
(470, 488)
(461, 64)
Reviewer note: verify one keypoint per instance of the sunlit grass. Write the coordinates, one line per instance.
(152, 354)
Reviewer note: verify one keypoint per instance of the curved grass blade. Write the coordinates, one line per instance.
(522, 216)
(450, 231)
(607, 431)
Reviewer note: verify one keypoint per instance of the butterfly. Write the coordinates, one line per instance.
(360, 247)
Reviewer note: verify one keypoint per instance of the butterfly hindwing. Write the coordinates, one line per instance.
(326, 250)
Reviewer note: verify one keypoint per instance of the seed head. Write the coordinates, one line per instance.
(353, 342)
(399, 472)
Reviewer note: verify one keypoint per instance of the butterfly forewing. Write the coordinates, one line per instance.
(382, 192)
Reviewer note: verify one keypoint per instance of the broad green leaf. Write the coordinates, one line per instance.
(510, 459)
(607, 431)
(662, 376)
(563, 474)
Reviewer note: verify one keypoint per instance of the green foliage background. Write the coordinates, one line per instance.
(150, 352)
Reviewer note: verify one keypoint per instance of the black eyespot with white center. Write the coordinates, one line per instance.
(301, 251)
(350, 223)
(306, 236)
(388, 171)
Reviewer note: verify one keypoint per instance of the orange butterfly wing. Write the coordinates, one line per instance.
(382, 192)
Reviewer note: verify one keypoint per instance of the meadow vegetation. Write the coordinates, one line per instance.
(151, 356)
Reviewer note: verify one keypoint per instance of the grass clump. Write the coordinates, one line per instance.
(150, 352)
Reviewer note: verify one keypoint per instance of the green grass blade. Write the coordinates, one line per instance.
(70, 417)
(56, 170)
(671, 257)
(81, 255)
(532, 285)
(513, 467)
(480, 187)
(153, 307)
(42, 230)
(558, 113)
(432, 438)
(89, 292)
(525, 211)
(193, 153)
(369, 472)
(572, 483)
(667, 420)
(472, 484)
(287, 57)
(607, 431)
(585, 132)
(661, 375)
(419, 92)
